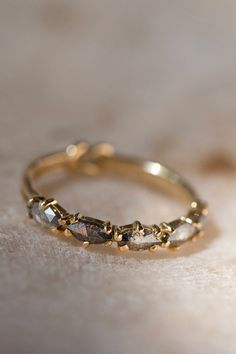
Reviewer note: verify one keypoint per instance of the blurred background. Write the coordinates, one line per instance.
(157, 79)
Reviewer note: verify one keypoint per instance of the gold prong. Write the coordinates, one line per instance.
(76, 217)
(197, 225)
(66, 219)
(165, 244)
(124, 248)
(30, 202)
(47, 202)
(153, 248)
(34, 199)
(62, 221)
(117, 235)
(137, 226)
(53, 202)
(108, 227)
(67, 233)
(194, 205)
(187, 220)
(156, 229)
(86, 244)
(165, 228)
(108, 243)
(55, 231)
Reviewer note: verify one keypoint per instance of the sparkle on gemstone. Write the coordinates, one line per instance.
(48, 217)
(88, 231)
(139, 240)
(182, 234)
(51, 217)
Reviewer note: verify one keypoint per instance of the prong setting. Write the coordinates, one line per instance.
(108, 227)
(67, 233)
(124, 248)
(117, 236)
(55, 231)
(137, 226)
(89, 159)
(86, 244)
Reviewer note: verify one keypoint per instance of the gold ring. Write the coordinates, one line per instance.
(84, 158)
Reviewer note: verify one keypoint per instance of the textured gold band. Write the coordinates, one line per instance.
(84, 158)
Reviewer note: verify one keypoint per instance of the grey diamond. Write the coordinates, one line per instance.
(50, 217)
(139, 240)
(35, 212)
(182, 234)
(88, 231)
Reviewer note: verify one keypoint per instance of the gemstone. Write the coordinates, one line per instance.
(34, 211)
(183, 233)
(139, 239)
(197, 217)
(89, 231)
(50, 217)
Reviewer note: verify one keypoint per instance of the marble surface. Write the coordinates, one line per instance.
(158, 80)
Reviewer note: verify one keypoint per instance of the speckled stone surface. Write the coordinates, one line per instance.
(158, 80)
(87, 231)
(138, 240)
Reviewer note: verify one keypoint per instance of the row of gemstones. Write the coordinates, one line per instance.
(50, 214)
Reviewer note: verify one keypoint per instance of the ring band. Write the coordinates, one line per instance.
(83, 158)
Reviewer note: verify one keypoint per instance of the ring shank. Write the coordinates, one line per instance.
(147, 171)
(153, 173)
(97, 159)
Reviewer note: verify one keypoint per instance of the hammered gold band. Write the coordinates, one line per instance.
(86, 159)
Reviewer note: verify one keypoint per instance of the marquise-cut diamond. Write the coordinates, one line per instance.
(88, 231)
(182, 234)
(139, 240)
(48, 217)
(34, 211)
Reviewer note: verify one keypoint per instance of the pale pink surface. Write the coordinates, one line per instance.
(158, 80)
